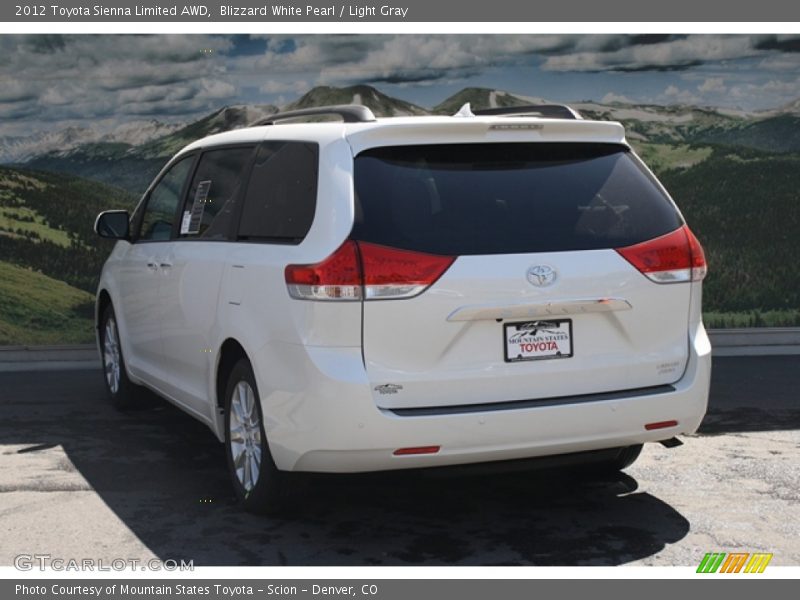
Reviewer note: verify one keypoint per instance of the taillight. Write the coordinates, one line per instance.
(670, 258)
(361, 269)
(338, 277)
(393, 273)
(699, 267)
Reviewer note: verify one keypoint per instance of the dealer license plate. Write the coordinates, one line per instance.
(538, 340)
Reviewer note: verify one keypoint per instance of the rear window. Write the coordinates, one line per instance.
(461, 199)
(281, 196)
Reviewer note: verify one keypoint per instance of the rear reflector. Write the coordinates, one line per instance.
(362, 270)
(660, 425)
(672, 258)
(418, 450)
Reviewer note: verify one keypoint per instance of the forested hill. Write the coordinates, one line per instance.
(46, 222)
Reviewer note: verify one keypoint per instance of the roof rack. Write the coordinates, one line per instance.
(350, 113)
(551, 111)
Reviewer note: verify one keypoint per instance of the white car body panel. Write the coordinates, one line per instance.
(189, 291)
(140, 312)
(327, 385)
(439, 362)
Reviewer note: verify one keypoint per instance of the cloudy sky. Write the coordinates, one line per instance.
(55, 80)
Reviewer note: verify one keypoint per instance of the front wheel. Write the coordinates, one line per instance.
(122, 392)
(258, 483)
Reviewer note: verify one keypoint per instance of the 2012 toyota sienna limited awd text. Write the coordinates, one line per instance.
(373, 294)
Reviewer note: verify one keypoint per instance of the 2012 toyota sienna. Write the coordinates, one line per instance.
(373, 294)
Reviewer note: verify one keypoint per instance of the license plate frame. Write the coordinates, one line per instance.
(555, 330)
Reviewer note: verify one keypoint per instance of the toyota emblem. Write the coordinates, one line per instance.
(541, 275)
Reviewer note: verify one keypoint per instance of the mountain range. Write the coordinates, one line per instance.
(733, 174)
(130, 155)
(19, 149)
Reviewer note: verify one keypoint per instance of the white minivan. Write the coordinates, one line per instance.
(373, 294)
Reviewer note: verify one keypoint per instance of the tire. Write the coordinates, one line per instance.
(259, 485)
(122, 392)
(624, 459)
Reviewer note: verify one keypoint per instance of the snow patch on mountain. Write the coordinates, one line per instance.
(134, 133)
(18, 149)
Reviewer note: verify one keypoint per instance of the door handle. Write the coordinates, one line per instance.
(152, 264)
(165, 264)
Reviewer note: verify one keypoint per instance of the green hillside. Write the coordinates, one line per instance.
(22, 222)
(743, 205)
(46, 222)
(95, 161)
(664, 124)
(775, 134)
(664, 157)
(36, 309)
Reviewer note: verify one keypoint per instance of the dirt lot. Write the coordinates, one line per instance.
(79, 480)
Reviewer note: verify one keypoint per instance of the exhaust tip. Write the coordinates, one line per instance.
(672, 442)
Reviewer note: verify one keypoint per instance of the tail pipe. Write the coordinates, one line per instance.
(672, 442)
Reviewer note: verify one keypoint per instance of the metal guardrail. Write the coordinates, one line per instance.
(757, 341)
(755, 336)
(66, 352)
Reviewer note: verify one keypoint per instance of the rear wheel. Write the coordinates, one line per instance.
(625, 457)
(258, 483)
(121, 391)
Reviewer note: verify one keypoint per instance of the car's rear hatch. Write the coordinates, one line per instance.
(518, 289)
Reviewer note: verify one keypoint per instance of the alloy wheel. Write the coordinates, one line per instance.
(245, 435)
(111, 356)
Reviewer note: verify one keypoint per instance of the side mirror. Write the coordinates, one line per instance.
(113, 224)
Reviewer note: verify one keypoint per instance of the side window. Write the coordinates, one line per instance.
(159, 214)
(214, 192)
(281, 195)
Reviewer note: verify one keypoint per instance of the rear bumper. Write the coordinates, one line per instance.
(324, 418)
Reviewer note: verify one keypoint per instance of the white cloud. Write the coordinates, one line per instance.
(713, 85)
(54, 97)
(674, 95)
(669, 55)
(611, 97)
(781, 62)
(398, 58)
(778, 91)
(215, 89)
(82, 78)
(64, 77)
(273, 86)
(16, 91)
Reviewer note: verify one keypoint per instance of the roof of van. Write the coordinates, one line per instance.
(427, 130)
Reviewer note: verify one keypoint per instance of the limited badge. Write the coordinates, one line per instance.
(388, 388)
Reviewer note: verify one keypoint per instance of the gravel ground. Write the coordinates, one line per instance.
(79, 480)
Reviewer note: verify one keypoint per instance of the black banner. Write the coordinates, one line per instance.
(412, 11)
(392, 589)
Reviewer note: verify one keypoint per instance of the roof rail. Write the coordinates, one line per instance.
(350, 113)
(551, 111)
